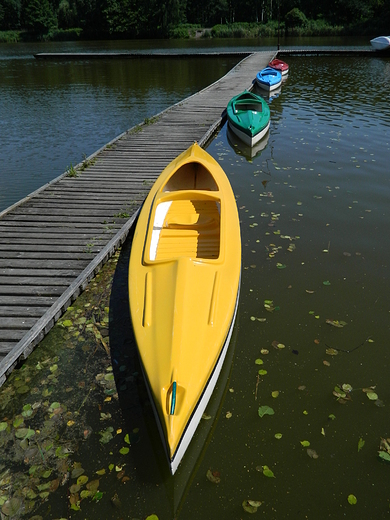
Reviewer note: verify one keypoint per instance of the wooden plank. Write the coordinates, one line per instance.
(16, 323)
(30, 280)
(22, 311)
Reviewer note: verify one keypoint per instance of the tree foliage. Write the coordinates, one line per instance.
(157, 18)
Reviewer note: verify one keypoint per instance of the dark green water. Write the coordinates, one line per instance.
(313, 209)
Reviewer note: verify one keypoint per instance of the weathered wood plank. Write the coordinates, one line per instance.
(32, 290)
(30, 280)
(16, 323)
(22, 311)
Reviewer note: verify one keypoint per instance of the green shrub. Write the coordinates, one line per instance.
(10, 36)
(62, 35)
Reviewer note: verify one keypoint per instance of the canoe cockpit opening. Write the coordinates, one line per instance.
(186, 227)
(244, 107)
(191, 176)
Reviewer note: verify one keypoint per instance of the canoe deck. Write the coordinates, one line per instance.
(53, 242)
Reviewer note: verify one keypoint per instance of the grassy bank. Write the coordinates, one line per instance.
(230, 30)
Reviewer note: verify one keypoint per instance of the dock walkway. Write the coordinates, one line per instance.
(53, 242)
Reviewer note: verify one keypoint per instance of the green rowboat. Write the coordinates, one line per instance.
(248, 117)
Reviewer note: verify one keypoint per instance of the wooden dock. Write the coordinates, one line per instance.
(53, 242)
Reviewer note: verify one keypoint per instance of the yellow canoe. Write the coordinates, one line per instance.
(184, 278)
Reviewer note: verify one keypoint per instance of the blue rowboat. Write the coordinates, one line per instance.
(269, 79)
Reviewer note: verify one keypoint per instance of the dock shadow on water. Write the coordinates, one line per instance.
(77, 430)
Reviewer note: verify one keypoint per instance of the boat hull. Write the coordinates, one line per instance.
(381, 43)
(184, 276)
(245, 138)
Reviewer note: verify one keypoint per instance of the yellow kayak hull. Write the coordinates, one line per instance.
(184, 277)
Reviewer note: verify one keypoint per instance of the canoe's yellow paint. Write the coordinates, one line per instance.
(183, 282)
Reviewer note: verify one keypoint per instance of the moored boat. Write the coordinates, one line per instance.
(381, 43)
(184, 277)
(269, 79)
(279, 65)
(249, 117)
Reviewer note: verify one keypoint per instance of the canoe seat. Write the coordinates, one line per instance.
(191, 229)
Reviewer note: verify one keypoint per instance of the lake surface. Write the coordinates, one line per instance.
(313, 313)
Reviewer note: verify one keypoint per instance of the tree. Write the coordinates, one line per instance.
(38, 16)
(10, 14)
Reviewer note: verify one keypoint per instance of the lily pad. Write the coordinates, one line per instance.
(12, 507)
(249, 507)
(267, 472)
(265, 410)
(83, 479)
(352, 500)
(213, 476)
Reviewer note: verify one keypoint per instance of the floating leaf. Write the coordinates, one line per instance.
(127, 438)
(326, 282)
(263, 372)
(305, 443)
(361, 443)
(229, 415)
(3, 426)
(384, 456)
(12, 507)
(336, 323)
(281, 266)
(24, 433)
(275, 394)
(152, 517)
(278, 436)
(83, 479)
(332, 417)
(267, 472)
(259, 361)
(101, 472)
(331, 351)
(265, 410)
(77, 472)
(312, 453)
(74, 488)
(264, 351)
(206, 417)
(213, 476)
(18, 422)
(372, 396)
(248, 507)
(352, 500)
(124, 451)
(93, 485)
(67, 323)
